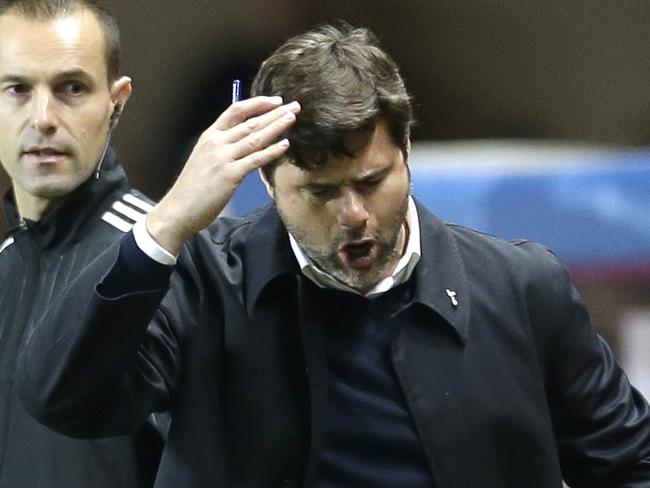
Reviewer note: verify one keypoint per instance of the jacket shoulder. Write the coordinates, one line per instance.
(529, 282)
(234, 230)
(519, 257)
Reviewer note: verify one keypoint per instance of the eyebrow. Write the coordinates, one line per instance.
(63, 75)
(12, 78)
(73, 73)
(319, 185)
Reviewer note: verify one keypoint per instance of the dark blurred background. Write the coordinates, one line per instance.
(574, 71)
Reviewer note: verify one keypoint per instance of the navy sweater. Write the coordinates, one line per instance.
(370, 439)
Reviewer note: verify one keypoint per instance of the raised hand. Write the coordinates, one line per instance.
(243, 139)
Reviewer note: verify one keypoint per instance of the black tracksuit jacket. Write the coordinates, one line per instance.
(37, 261)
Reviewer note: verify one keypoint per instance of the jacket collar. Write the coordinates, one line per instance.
(268, 253)
(440, 281)
(80, 208)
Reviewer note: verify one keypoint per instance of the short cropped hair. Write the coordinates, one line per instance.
(51, 9)
(345, 83)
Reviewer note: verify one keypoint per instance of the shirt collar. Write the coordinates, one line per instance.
(401, 274)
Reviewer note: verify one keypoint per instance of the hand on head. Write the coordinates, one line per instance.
(243, 139)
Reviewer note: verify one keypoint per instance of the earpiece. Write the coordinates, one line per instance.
(112, 123)
(115, 116)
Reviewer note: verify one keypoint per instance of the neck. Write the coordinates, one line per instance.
(32, 207)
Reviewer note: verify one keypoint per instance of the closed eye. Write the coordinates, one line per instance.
(370, 183)
(322, 191)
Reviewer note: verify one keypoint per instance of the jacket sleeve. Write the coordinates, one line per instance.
(98, 365)
(602, 424)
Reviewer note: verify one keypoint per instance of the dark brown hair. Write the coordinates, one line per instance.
(51, 9)
(344, 82)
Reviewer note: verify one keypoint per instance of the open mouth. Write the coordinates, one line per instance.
(358, 255)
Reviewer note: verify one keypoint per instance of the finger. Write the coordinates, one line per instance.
(258, 159)
(238, 112)
(258, 123)
(258, 140)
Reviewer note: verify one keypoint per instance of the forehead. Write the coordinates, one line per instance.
(43, 47)
(374, 152)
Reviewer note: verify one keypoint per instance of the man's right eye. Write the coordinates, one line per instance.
(18, 89)
(322, 192)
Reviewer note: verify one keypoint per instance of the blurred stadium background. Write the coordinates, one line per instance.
(533, 119)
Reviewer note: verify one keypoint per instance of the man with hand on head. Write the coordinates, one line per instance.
(61, 94)
(342, 335)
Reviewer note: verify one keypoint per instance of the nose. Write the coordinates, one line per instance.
(352, 211)
(42, 117)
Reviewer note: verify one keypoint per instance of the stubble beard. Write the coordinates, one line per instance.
(327, 259)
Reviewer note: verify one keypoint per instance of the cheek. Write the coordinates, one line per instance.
(309, 217)
(10, 129)
(313, 221)
(388, 203)
(90, 121)
(90, 129)
(92, 125)
(9, 146)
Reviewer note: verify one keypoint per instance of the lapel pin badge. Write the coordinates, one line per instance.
(452, 297)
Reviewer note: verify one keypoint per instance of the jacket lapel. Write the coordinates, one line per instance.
(440, 280)
(432, 338)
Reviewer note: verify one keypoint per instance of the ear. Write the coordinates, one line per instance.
(267, 184)
(120, 92)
